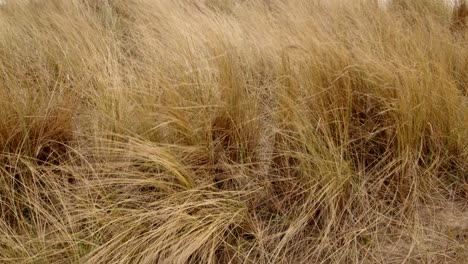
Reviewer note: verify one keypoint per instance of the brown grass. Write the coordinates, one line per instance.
(233, 131)
(460, 16)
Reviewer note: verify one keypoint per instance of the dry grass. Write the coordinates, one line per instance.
(256, 131)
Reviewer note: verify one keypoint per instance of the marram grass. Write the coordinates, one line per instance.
(255, 131)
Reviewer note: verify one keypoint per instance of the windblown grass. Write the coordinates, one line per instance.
(256, 131)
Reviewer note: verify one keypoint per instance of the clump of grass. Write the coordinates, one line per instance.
(459, 16)
(220, 132)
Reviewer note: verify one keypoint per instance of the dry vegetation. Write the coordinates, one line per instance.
(255, 131)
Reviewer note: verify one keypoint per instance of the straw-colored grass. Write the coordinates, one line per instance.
(255, 131)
